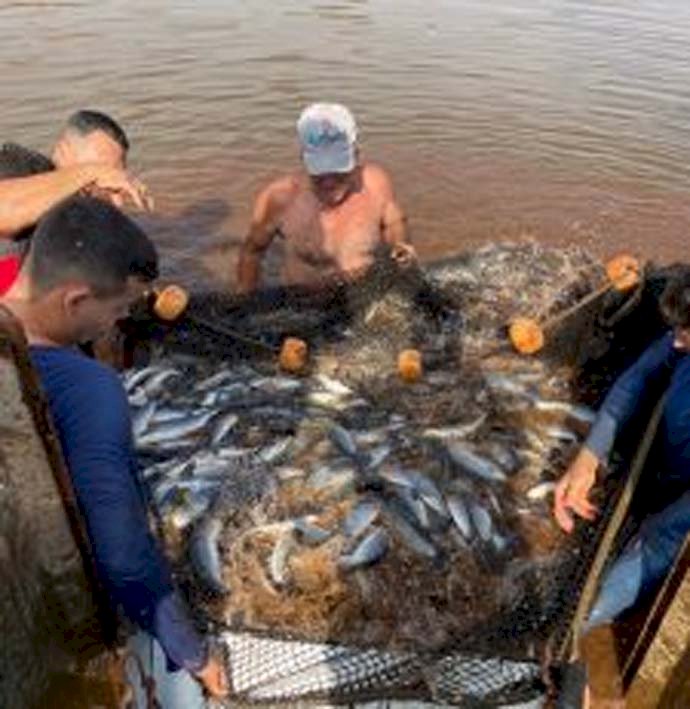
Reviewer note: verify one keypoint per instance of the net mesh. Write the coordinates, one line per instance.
(469, 627)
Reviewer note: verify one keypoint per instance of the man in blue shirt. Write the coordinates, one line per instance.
(664, 366)
(87, 264)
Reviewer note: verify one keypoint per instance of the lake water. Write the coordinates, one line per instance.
(560, 120)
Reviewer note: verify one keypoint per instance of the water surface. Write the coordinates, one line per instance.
(562, 120)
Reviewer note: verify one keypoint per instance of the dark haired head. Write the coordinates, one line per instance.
(85, 122)
(91, 241)
(675, 301)
(16, 161)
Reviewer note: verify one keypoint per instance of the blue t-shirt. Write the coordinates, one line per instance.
(660, 367)
(89, 408)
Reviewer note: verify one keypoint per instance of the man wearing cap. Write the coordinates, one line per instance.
(332, 217)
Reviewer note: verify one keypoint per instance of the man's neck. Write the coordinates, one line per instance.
(32, 320)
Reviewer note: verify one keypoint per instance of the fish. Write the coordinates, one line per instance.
(277, 451)
(175, 430)
(560, 433)
(457, 431)
(155, 384)
(327, 400)
(377, 456)
(333, 386)
(412, 537)
(460, 515)
(278, 560)
(133, 379)
(481, 519)
(541, 491)
(504, 455)
(236, 393)
(415, 507)
(473, 463)
(578, 412)
(505, 384)
(215, 380)
(205, 554)
(369, 551)
(223, 426)
(142, 419)
(310, 533)
(361, 517)
(344, 440)
(276, 385)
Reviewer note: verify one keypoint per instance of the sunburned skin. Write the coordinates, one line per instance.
(330, 226)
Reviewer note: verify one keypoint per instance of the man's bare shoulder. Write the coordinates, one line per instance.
(281, 192)
(376, 179)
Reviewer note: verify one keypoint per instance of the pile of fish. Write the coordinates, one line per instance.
(329, 506)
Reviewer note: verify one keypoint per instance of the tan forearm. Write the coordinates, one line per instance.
(24, 200)
(394, 225)
(248, 270)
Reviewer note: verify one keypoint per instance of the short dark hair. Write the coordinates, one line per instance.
(17, 161)
(89, 239)
(675, 301)
(85, 122)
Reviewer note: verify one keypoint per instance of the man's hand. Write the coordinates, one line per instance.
(403, 254)
(572, 491)
(214, 678)
(118, 186)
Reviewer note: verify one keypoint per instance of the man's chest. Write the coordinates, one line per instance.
(352, 227)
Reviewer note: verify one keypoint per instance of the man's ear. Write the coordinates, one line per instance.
(74, 296)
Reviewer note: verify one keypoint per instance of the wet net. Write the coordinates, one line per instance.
(347, 535)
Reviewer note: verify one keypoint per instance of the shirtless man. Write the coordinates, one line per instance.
(333, 216)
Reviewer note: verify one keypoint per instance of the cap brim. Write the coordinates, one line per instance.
(330, 159)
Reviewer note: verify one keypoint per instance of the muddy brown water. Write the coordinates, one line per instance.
(565, 120)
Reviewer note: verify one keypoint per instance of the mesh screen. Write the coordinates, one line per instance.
(349, 534)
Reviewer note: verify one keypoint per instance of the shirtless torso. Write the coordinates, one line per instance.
(327, 230)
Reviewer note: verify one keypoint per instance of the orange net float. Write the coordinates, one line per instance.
(294, 355)
(526, 335)
(623, 271)
(410, 367)
(170, 302)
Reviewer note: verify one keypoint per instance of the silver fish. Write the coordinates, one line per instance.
(579, 412)
(415, 507)
(541, 491)
(410, 535)
(505, 384)
(344, 440)
(215, 380)
(154, 385)
(205, 554)
(277, 451)
(175, 430)
(310, 533)
(474, 463)
(370, 550)
(482, 521)
(333, 386)
(276, 385)
(362, 516)
(559, 433)
(224, 425)
(458, 431)
(460, 515)
(278, 561)
(142, 419)
(134, 378)
(504, 455)
(378, 455)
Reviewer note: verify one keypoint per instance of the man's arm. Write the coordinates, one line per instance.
(393, 219)
(24, 200)
(96, 439)
(265, 222)
(621, 403)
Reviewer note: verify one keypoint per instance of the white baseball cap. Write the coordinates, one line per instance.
(328, 134)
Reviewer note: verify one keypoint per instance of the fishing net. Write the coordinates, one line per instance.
(447, 618)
